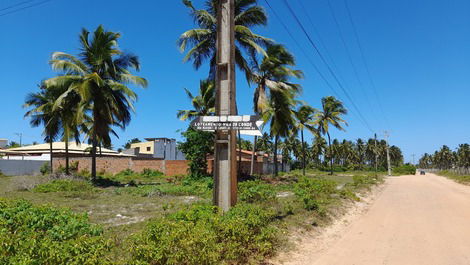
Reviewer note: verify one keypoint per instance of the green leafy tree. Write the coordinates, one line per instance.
(331, 114)
(196, 147)
(100, 76)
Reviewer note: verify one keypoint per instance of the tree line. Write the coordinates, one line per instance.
(269, 68)
(90, 96)
(445, 158)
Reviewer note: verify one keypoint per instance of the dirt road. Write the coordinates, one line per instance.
(415, 220)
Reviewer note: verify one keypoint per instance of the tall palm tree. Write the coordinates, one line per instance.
(200, 43)
(280, 116)
(318, 148)
(100, 76)
(332, 110)
(42, 113)
(305, 115)
(273, 74)
(203, 104)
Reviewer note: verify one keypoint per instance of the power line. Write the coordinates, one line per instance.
(23, 8)
(15, 5)
(322, 76)
(348, 52)
(371, 80)
(327, 65)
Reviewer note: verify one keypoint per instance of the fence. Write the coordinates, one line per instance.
(459, 170)
(20, 167)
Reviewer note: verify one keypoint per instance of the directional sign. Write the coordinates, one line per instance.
(246, 124)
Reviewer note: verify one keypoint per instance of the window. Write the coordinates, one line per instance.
(148, 148)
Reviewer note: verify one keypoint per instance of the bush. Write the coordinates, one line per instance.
(63, 185)
(149, 173)
(45, 169)
(364, 181)
(404, 170)
(202, 235)
(315, 192)
(255, 191)
(188, 187)
(44, 235)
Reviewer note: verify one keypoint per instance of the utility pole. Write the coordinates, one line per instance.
(375, 152)
(413, 156)
(225, 169)
(386, 134)
(21, 138)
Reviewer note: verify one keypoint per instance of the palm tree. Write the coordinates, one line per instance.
(42, 113)
(273, 74)
(305, 117)
(280, 115)
(99, 75)
(332, 110)
(201, 42)
(203, 104)
(318, 148)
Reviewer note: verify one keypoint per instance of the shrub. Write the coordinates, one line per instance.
(404, 170)
(150, 173)
(45, 169)
(63, 185)
(255, 191)
(202, 235)
(197, 146)
(364, 181)
(44, 235)
(314, 192)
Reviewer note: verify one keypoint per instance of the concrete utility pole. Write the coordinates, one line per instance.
(413, 156)
(225, 169)
(386, 134)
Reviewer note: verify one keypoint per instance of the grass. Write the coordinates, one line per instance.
(125, 211)
(464, 179)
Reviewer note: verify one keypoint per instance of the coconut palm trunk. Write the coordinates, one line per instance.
(303, 151)
(67, 167)
(253, 157)
(331, 153)
(93, 158)
(50, 152)
(276, 140)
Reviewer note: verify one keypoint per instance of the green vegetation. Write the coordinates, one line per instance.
(464, 179)
(45, 235)
(64, 185)
(446, 159)
(196, 147)
(169, 220)
(202, 235)
(404, 170)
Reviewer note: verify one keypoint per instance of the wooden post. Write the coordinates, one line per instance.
(225, 169)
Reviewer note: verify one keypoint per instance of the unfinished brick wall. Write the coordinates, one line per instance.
(115, 165)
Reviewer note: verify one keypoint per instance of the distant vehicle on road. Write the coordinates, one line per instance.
(422, 172)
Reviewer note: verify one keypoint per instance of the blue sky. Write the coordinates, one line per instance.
(418, 53)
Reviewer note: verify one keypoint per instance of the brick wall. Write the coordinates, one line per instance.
(115, 165)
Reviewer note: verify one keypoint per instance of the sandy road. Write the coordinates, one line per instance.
(415, 220)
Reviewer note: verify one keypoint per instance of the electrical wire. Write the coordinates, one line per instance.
(361, 50)
(23, 8)
(351, 61)
(322, 76)
(327, 65)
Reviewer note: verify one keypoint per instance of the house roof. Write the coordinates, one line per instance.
(59, 148)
